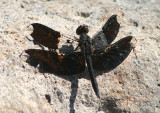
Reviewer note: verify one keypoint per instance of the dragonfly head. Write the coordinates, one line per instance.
(82, 29)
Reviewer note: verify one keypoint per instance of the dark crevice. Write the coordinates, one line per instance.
(48, 97)
(84, 14)
(110, 106)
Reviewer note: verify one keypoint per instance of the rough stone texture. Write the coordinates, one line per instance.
(134, 86)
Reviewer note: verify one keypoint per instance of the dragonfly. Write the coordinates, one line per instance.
(96, 54)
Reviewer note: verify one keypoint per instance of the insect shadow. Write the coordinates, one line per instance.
(45, 68)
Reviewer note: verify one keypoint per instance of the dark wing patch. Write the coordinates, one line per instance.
(61, 64)
(113, 55)
(108, 33)
(45, 36)
(111, 28)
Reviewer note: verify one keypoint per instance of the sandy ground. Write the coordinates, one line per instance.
(132, 87)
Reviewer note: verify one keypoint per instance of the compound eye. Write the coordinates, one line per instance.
(82, 29)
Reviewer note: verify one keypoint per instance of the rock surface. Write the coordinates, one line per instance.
(134, 86)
